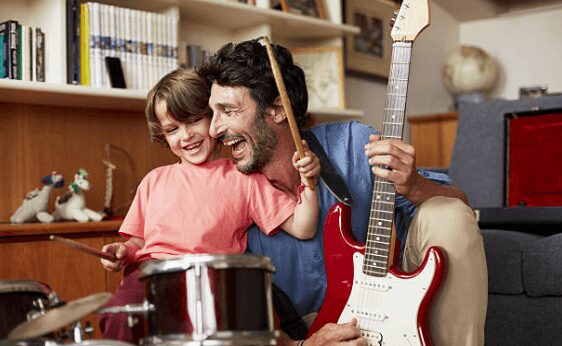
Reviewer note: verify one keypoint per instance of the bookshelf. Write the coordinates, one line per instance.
(56, 126)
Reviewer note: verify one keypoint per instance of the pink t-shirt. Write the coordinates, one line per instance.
(182, 209)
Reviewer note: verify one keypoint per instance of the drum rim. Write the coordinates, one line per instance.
(11, 286)
(185, 262)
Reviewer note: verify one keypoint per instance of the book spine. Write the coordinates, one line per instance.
(71, 6)
(84, 45)
(12, 49)
(40, 55)
(4, 49)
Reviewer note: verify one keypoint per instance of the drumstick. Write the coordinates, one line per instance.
(286, 103)
(84, 248)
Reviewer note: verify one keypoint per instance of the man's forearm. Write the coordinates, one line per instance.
(425, 189)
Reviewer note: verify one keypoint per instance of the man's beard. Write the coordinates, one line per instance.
(263, 146)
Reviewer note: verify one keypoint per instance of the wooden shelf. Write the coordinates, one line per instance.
(233, 16)
(17, 91)
(329, 113)
(45, 229)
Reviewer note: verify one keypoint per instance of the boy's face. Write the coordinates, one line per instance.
(190, 142)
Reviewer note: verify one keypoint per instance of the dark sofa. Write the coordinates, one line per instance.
(523, 245)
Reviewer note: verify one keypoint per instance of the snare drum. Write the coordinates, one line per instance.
(19, 298)
(209, 300)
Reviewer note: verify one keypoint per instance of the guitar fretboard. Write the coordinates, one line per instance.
(377, 252)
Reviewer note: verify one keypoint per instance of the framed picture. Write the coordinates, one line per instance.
(369, 52)
(313, 8)
(324, 72)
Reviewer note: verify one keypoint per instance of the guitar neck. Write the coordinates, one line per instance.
(379, 234)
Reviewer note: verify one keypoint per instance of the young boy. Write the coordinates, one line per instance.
(202, 204)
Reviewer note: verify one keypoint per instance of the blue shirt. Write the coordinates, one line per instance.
(300, 270)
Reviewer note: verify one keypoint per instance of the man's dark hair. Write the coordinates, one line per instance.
(247, 64)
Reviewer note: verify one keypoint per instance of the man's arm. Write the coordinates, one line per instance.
(399, 160)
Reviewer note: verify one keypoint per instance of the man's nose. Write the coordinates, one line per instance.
(217, 126)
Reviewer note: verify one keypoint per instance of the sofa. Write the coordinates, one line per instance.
(523, 244)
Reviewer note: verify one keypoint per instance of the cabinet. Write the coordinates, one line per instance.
(433, 137)
(28, 254)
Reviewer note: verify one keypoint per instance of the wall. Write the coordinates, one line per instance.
(527, 46)
(426, 93)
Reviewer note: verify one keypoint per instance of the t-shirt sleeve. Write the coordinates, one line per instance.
(268, 206)
(133, 224)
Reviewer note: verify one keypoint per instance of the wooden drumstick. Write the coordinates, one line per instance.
(286, 103)
(84, 248)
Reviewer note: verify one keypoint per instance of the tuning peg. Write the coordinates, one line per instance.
(393, 19)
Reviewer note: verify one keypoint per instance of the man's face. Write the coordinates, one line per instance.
(237, 124)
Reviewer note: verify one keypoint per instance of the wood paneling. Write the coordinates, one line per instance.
(35, 140)
(433, 136)
(69, 273)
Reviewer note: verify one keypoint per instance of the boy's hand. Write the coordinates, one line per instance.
(308, 166)
(120, 251)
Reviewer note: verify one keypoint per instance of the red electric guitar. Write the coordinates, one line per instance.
(390, 306)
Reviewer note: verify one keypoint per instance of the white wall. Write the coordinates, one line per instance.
(426, 94)
(526, 45)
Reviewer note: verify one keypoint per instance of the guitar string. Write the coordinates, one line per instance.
(395, 105)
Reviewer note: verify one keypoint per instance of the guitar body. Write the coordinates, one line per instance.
(390, 309)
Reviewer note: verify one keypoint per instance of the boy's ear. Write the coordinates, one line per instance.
(279, 114)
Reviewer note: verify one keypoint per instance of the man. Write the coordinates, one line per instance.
(248, 118)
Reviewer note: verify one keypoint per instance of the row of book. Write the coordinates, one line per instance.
(22, 52)
(144, 42)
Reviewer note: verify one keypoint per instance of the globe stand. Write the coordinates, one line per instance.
(471, 97)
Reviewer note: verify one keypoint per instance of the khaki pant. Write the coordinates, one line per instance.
(458, 311)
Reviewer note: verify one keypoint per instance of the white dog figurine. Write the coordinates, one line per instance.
(36, 201)
(72, 205)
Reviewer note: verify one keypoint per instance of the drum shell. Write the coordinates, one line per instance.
(204, 297)
(17, 298)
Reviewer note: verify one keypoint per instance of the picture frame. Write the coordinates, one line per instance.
(324, 73)
(312, 8)
(368, 53)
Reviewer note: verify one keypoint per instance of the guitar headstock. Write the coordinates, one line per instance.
(410, 20)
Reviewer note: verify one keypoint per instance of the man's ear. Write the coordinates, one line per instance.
(278, 111)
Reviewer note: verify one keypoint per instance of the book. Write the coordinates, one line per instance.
(39, 55)
(73, 41)
(9, 30)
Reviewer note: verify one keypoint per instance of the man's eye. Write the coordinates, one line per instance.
(229, 112)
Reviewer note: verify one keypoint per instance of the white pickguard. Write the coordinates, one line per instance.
(386, 308)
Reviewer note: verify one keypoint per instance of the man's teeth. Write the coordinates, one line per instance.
(232, 142)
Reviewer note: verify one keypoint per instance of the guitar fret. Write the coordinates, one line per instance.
(384, 211)
(394, 109)
(382, 227)
(385, 202)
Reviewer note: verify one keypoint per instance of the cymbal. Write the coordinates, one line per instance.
(59, 317)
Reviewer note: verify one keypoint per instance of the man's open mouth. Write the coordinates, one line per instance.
(237, 144)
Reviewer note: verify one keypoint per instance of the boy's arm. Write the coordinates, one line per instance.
(302, 224)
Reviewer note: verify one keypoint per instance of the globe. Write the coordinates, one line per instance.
(469, 70)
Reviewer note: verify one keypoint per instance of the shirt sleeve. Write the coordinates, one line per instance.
(268, 206)
(133, 224)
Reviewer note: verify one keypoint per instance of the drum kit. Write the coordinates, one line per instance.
(207, 300)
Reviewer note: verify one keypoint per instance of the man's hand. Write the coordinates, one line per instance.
(330, 335)
(399, 161)
(337, 334)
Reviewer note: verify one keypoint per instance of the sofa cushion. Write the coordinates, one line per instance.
(504, 253)
(542, 267)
